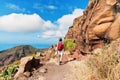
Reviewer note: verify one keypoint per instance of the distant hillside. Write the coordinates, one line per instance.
(15, 53)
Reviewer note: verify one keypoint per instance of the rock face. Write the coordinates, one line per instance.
(99, 24)
(27, 64)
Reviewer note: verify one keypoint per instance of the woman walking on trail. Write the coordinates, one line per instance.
(60, 47)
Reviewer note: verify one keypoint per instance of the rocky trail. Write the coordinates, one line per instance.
(56, 72)
(52, 71)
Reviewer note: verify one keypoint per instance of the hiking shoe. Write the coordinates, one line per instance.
(60, 62)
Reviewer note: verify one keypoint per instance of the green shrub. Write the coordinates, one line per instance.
(17, 62)
(33, 54)
(69, 44)
(9, 71)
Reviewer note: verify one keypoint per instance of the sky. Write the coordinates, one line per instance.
(39, 23)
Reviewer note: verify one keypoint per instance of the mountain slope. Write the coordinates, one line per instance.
(15, 53)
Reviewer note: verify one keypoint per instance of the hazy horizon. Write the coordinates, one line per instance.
(39, 46)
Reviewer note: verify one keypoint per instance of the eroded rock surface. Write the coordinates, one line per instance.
(27, 64)
(99, 24)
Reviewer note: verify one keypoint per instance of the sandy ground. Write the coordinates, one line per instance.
(57, 72)
(73, 70)
(54, 71)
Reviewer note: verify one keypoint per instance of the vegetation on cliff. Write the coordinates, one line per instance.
(104, 64)
(9, 71)
(69, 44)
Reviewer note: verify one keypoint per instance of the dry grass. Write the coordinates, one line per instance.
(100, 67)
(79, 71)
(105, 66)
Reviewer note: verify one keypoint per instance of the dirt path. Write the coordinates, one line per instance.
(54, 72)
(57, 72)
(74, 70)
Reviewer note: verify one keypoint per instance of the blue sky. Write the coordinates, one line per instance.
(36, 22)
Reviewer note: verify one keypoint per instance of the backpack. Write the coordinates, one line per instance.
(60, 46)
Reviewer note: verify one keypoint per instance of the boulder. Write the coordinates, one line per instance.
(27, 74)
(38, 54)
(114, 30)
(100, 30)
(50, 53)
(27, 64)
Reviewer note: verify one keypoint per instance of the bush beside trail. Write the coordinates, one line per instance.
(9, 71)
(69, 44)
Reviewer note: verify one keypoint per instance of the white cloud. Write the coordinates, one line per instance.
(42, 7)
(67, 20)
(24, 23)
(15, 7)
(34, 23)
(52, 7)
(52, 34)
(63, 24)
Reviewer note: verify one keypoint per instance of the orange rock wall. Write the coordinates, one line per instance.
(99, 24)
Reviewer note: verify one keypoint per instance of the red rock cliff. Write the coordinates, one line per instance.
(99, 24)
